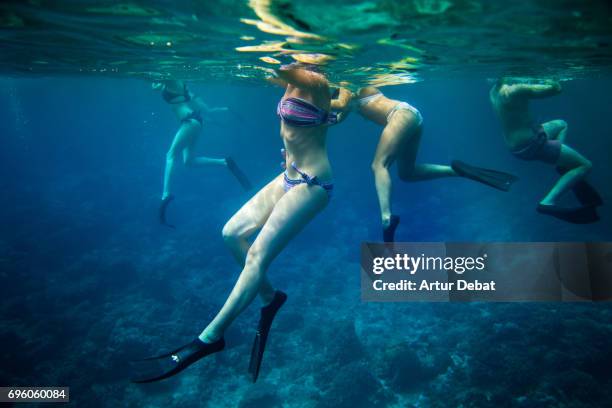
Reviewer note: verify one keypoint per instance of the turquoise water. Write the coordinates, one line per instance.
(366, 40)
(90, 280)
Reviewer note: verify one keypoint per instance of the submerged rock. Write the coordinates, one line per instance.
(342, 346)
(405, 371)
(354, 386)
(260, 395)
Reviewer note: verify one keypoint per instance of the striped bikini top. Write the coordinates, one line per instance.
(301, 113)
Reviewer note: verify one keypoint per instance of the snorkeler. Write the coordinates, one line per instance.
(399, 141)
(190, 111)
(279, 211)
(546, 143)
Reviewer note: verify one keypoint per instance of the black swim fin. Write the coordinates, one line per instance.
(584, 192)
(177, 360)
(493, 178)
(577, 215)
(162, 210)
(389, 231)
(240, 176)
(263, 329)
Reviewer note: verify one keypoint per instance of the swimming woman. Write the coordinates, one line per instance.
(400, 140)
(279, 211)
(190, 111)
(546, 143)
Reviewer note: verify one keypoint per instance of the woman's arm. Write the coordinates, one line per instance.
(544, 90)
(275, 80)
(300, 77)
(343, 101)
(342, 104)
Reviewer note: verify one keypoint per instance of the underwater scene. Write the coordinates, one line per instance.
(186, 184)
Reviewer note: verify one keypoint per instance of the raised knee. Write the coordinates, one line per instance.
(584, 168)
(562, 124)
(229, 233)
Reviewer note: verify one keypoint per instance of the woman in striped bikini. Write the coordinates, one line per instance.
(280, 211)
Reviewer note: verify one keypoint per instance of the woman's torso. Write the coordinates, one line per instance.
(306, 146)
(183, 110)
(181, 101)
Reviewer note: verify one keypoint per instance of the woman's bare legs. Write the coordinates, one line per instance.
(191, 160)
(184, 143)
(400, 141)
(186, 134)
(251, 217)
(294, 210)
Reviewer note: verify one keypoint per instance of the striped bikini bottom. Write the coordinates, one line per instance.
(289, 183)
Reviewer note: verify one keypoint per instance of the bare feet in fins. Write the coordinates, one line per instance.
(240, 176)
(263, 329)
(167, 365)
(389, 231)
(162, 210)
(577, 215)
(493, 178)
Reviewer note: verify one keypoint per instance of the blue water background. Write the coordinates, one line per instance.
(89, 278)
